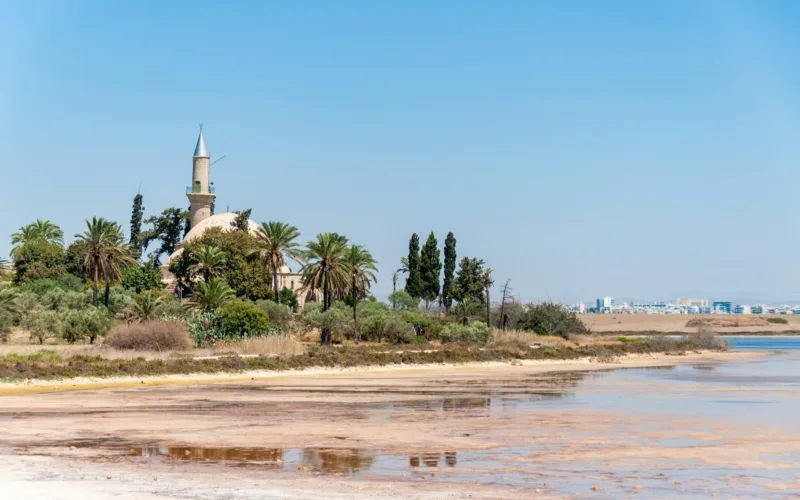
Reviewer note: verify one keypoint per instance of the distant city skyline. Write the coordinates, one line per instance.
(580, 148)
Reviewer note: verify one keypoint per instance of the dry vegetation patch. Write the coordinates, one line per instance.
(267, 346)
(723, 322)
(150, 336)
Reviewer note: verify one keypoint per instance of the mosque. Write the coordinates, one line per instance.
(201, 196)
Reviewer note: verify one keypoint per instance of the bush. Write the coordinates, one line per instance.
(550, 318)
(90, 323)
(476, 332)
(139, 279)
(403, 301)
(243, 319)
(279, 315)
(206, 329)
(397, 331)
(706, 340)
(779, 321)
(150, 336)
(42, 325)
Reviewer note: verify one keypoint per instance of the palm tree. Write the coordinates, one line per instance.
(106, 252)
(361, 269)
(466, 310)
(276, 240)
(403, 265)
(324, 270)
(120, 257)
(208, 261)
(395, 278)
(207, 297)
(487, 283)
(145, 306)
(38, 230)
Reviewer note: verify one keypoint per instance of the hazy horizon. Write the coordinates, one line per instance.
(581, 149)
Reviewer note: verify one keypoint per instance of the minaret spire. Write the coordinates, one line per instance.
(201, 150)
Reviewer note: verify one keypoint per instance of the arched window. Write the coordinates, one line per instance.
(196, 186)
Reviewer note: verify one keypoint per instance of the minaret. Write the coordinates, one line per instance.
(200, 194)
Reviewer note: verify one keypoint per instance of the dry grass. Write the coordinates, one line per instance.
(728, 321)
(525, 337)
(150, 336)
(268, 345)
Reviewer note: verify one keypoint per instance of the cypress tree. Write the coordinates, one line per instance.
(449, 271)
(414, 280)
(136, 224)
(430, 266)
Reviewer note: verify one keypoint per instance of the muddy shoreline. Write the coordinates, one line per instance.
(583, 364)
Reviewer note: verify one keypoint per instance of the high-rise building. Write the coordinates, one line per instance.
(691, 302)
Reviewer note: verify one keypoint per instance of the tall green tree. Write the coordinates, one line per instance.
(276, 241)
(119, 259)
(137, 213)
(414, 280)
(448, 285)
(361, 268)
(242, 220)
(207, 261)
(324, 270)
(487, 284)
(106, 255)
(430, 267)
(167, 228)
(38, 259)
(38, 230)
(470, 281)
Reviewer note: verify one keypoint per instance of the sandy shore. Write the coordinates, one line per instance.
(534, 366)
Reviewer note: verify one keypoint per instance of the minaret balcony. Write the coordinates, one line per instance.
(198, 189)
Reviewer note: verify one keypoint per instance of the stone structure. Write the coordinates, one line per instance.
(201, 194)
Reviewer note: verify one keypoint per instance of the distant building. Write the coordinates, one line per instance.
(759, 309)
(691, 302)
(722, 307)
(605, 303)
(740, 309)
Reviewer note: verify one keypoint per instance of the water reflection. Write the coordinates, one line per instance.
(267, 456)
(432, 459)
(338, 460)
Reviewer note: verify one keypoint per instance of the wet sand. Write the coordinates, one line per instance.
(490, 431)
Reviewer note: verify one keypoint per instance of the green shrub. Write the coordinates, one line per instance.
(627, 340)
(43, 324)
(780, 321)
(141, 278)
(289, 298)
(550, 318)
(85, 324)
(150, 336)
(205, 328)
(243, 319)
(397, 331)
(476, 332)
(279, 315)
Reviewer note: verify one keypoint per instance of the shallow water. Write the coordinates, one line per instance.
(688, 431)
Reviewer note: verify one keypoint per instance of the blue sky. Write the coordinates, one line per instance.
(582, 148)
